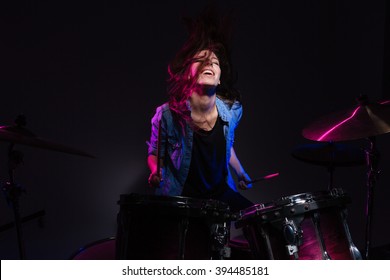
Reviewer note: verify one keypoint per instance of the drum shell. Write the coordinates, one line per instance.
(320, 217)
(240, 249)
(155, 227)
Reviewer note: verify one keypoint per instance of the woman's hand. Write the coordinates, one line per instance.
(243, 181)
(154, 180)
(155, 177)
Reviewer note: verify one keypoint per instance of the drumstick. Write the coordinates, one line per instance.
(159, 148)
(263, 178)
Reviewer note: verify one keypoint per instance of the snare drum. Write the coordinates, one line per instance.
(306, 226)
(159, 227)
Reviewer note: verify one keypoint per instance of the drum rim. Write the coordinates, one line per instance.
(310, 196)
(91, 244)
(178, 201)
(284, 207)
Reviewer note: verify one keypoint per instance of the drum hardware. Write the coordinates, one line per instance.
(266, 237)
(337, 192)
(182, 236)
(13, 193)
(316, 220)
(220, 236)
(330, 155)
(352, 248)
(293, 236)
(18, 134)
(37, 215)
(304, 226)
(366, 121)
(372, 156)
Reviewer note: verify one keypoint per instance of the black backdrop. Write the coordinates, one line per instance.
(90, 76)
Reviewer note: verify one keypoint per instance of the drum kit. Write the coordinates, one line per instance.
(303, 226)
(306, 226)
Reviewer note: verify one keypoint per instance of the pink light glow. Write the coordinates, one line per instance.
(337, 125)
(271, 176)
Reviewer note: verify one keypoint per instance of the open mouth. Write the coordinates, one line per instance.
(208, 72)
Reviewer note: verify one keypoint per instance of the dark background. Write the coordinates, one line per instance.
(90, 76)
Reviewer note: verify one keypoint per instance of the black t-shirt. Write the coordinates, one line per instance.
(208, 169)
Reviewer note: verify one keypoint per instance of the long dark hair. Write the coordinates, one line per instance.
(207, 32)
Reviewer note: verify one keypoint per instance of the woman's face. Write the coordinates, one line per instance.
(206, 67)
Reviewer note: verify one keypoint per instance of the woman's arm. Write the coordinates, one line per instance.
(242, 176)
(155, 176)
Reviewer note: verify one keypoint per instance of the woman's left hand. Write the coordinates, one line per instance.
(244, 182)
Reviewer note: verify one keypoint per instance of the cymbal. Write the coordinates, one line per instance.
(363, 121)
(330, 154)
(20, 135)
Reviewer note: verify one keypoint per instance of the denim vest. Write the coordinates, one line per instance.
(176, 148)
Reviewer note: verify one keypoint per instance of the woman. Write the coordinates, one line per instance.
(193, 133)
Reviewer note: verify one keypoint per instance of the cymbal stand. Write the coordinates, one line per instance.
(13, 192)
(331, 165)
(372, 159)
(331, 172)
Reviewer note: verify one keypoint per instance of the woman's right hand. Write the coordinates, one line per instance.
(154, 180)
(155, 177)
